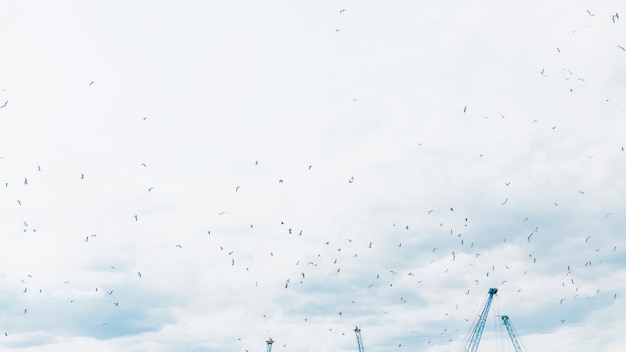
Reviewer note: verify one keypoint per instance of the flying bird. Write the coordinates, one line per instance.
(139, 274)
(91, 83)
(342, 11)
(590, 14)
(619, 46)
(4, 105)
(587, 239)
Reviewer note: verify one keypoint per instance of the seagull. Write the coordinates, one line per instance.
(529, 236)
(430, 211)
(465, 108)
(587, 239)
(336, 29)
(590, 14)
(136, 217)
(4, 105)
(179, 246)
(619, 46)
(506, 200)
(342, 11)
(139, 274)
(237, 188)
(91, 83)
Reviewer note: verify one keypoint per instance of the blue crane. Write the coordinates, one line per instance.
(477, 329)
(269, 343)
(359, 342)
(512, 334)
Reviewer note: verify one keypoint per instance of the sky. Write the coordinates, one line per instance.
(205, 175)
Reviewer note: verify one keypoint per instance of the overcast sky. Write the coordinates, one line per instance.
(204, 175)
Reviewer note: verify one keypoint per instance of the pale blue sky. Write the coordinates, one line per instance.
(505, 119)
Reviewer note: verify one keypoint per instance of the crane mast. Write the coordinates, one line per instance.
(512, 334)
(477, 331)
(269, 344)
(359, 342)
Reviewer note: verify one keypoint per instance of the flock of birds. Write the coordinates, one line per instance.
(340, 256)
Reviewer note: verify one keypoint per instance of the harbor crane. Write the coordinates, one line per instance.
(512, 334)
(359, 342)
(478, 327)
(269, 344)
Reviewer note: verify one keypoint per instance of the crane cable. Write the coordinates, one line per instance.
(499, 341)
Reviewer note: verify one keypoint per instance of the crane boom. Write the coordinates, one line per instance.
(511, 330)
(477, 331)
(359, 342)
